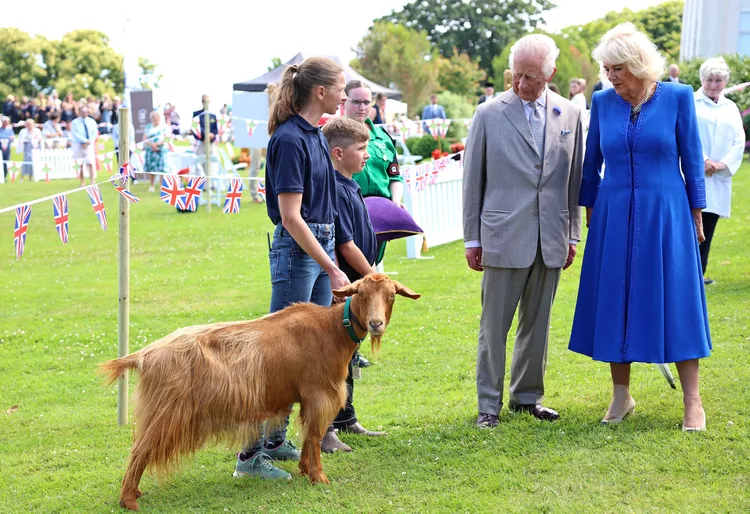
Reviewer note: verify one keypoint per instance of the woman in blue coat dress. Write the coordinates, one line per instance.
(641, 296)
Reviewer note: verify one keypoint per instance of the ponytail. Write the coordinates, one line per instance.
(297, 82)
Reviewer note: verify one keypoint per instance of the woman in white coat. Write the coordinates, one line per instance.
(723, 140)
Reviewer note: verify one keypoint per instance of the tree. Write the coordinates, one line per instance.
(22, 69)
(396, 54)
(459, 74)
(275, 63)
(148, 78)
(739, 67)
(662, 23)
(86, 65)
(574, 61)
(479, 28)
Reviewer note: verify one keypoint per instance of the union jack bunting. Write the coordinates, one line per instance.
(23, 215)
(124, 173)
(262, 189)
(170, 190)
(234, 195)
(95, 195)
(423, 175)
(438, 167)
(124, 192)
(189, 199)
(60, 210)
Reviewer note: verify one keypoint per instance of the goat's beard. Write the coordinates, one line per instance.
(375, 344)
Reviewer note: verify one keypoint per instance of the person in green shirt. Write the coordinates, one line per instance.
(382, 176)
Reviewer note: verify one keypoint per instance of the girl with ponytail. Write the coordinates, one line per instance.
(300, 199)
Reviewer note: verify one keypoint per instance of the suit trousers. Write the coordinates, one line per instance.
(502, 290)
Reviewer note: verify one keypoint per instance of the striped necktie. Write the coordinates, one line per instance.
(537, 128)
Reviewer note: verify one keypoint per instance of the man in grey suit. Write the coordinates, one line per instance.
(522, 173)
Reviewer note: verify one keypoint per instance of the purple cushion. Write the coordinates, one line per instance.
(389, 220)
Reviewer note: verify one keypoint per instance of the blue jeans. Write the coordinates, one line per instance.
(296, 277)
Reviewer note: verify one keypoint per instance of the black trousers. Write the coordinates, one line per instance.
(709, 225)
(6, 157)
(347, 416)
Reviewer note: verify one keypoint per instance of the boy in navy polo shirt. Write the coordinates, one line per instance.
(356, 246)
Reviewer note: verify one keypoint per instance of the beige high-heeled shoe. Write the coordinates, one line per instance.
(614, 418)
(619, 392)
(701, 428)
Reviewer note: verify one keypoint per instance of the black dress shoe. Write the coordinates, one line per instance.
(487, 420)
(707, 281)
(538, 411)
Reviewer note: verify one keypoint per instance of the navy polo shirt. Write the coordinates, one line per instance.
(297, 161)
(353, 224)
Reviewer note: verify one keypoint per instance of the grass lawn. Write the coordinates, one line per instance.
(62, 451)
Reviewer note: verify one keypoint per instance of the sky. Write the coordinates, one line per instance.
(242, 38)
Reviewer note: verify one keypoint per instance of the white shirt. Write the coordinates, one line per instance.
(580, 101)
(723, 140)
(528, 110)
(676, 80)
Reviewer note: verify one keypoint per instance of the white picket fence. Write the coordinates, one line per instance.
(60, 162)
(438, 209)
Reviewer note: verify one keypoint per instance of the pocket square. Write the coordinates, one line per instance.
(565, 132)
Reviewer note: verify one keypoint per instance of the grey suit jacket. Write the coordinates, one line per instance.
(511, 201)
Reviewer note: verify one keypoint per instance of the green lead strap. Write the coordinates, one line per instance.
(348, 321)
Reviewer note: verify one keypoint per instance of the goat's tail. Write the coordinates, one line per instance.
(114, 369)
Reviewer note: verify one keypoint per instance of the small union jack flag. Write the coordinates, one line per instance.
(234, 195)
(188, 200)
(262, 189)
(420, 178)
(23, 215)
(60, 210)
(95, 195)
(124, 192)
(438, 167)
(171, 190)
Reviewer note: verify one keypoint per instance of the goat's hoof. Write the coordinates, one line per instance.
(129, 504)
(319, 479)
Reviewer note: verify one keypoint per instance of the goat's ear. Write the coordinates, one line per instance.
(349, 290)
(405, 291)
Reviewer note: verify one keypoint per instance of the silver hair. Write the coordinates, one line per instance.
(715, 67)
(538, 46)
(626, 45)
(4, 118)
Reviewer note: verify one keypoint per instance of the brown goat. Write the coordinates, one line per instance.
(220, 380)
